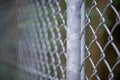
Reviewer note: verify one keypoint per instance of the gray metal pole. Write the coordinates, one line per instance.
(82, 39)
(73, 39)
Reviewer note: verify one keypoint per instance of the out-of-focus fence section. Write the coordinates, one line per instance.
(32, 39)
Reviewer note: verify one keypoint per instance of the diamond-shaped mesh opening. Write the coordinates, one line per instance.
(102, 70)
(116, 37)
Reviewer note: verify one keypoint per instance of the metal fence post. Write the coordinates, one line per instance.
(73, 39)
(82, 41)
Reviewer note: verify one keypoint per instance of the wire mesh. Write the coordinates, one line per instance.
(33, 39)
(102, 26)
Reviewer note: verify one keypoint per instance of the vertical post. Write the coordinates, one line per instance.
(73, 39)
(82, 40)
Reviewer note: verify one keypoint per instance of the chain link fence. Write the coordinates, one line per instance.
(33, 38)
(102, 56)
(59, 39)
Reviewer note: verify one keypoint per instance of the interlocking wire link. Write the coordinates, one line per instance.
(33, 36)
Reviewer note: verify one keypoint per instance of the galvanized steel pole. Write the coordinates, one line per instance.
(73, 39)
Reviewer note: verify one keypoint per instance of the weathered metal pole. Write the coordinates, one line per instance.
(73, 39)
